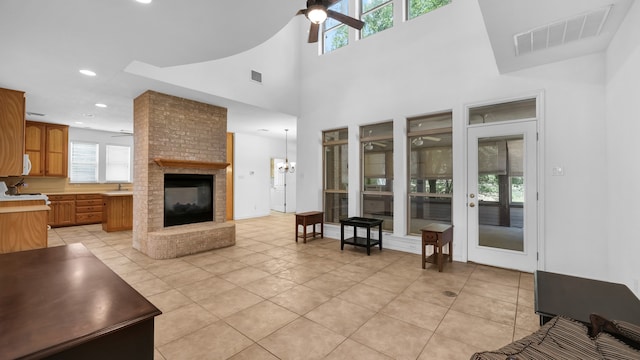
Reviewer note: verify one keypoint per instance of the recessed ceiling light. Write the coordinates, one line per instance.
(88, 115)
(79, 122)
(87, 72)
(101, 105)
(144, 1)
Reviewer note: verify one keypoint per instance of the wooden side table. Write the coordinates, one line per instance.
(309, 218)
(437, 235)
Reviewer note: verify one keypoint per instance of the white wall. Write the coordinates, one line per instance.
(252, 176)
(230, 78)
(417, 68)
(103, 138)
(623, 147)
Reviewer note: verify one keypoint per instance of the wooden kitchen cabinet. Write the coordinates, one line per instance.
(12, 110)
(117, 211)
(23, 225)
(88, 209)
(47, 146)
(34, 139)
(63, 210)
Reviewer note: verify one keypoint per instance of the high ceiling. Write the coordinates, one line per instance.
(44, 44)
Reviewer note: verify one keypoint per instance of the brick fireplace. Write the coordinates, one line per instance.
(173, 135)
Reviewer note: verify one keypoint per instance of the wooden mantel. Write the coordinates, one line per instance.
(190, 164)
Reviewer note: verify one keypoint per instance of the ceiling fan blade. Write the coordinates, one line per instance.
(347, 20)
(328, 3)
(301, 12)
(313, 33)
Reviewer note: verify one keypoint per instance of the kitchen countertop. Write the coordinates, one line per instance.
(25, 208)
(118, 193)
(102, 192)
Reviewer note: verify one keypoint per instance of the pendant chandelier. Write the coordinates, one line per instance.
(286, 166)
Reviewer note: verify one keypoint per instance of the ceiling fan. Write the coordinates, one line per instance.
(317, 12)
(420, 140)
(369, 145)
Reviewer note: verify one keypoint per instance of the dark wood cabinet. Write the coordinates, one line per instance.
(64, 303)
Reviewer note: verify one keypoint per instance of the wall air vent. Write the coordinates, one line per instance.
(560, 32)
(30, 113)
(256, 76)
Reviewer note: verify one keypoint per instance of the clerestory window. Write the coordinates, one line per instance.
(335, 33)
(377, 16)
(416, 8)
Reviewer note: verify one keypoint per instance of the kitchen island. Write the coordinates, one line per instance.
(63, 302)
(117, 213)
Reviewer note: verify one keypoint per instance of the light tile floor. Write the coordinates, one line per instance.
(269, 297)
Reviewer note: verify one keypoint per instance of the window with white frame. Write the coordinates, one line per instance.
(416, 8)
(118, 163)
(84, 163)
(377, 16)
(430, 170)
(335, 33)
(376, 142)
(336, 174)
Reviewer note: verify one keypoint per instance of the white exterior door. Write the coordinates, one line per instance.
(502, 195)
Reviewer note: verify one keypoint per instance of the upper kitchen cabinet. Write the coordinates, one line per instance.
(12, 132)
(47, 146)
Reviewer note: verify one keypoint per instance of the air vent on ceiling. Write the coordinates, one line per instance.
(30, 113)
(560, 32)
(256, 76)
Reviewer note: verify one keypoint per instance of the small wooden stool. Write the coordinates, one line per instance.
(309, 218)
(437, 235)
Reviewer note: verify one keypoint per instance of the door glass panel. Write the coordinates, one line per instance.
(501, 192)
(514, 110)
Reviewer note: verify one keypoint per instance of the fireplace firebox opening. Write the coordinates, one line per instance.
(188, 199)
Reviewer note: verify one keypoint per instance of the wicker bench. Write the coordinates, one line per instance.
(564, 338)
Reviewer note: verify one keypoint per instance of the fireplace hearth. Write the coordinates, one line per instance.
(188, 199)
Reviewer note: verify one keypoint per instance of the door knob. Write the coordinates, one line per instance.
(472, 205)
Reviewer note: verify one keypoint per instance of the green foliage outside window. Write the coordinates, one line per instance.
(419, 7)
(377, 20)
(517, 189)
(336, 38)
(370, 4)
(489, 188)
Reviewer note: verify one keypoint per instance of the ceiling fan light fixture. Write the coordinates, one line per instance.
(368, 146)
(317, 14)
(418, 142)
(87, 72)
